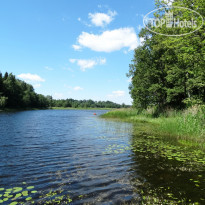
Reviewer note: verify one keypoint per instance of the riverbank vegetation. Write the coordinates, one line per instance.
(167, 72)
(17, 94)
(168, 81)
(188, 125)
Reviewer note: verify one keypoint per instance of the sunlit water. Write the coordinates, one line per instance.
(75, 157)
(65, 153)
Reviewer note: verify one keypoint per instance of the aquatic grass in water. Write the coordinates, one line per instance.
(116, 149)
(166, 159)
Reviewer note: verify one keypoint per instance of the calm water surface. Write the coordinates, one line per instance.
(74, 157)
(65, 153)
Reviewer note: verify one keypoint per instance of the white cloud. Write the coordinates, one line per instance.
(30, 77)
(76, 47)
(84, 22)
(109, 41)
(77, 88)
(116, 94)
(84, 64)
(88, 63)
(102, 19)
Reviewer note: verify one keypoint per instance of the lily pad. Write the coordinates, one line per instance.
(13, 203)
(18, 195)
(30, 187)
(28, 199)
(25, 193)
(17, 189)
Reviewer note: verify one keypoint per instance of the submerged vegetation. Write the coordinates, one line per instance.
(170, 151)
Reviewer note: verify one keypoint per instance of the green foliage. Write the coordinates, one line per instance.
(3, 101)
(169, 71)
(85, 104)
(15, 93)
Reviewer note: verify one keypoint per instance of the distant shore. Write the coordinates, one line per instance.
(72, 108)
(52, 108)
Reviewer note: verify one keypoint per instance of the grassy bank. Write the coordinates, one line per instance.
(187, 125)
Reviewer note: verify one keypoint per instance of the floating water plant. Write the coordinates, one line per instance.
(116, 149)
(175, 157)
(53, 198)
(16, 195)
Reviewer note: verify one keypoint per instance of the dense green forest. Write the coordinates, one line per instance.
(167, 71)
(15, 93)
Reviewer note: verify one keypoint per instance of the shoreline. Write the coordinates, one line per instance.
(185, 126)
(51, 108)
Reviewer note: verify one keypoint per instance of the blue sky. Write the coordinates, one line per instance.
(72, 49)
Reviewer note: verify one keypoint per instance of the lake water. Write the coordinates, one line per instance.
(65, 153)
(73, 156)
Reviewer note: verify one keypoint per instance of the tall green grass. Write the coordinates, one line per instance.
(187, 124)
(123, 113)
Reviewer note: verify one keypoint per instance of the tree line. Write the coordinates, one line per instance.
(167, 71)
(15, 93)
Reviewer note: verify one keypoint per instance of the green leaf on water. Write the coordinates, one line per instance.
(28, 199)
(1, 189)
(30, 187)
(25, 193)
(33, 192)
(17, 189)
(13, 203)
(17, 195)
